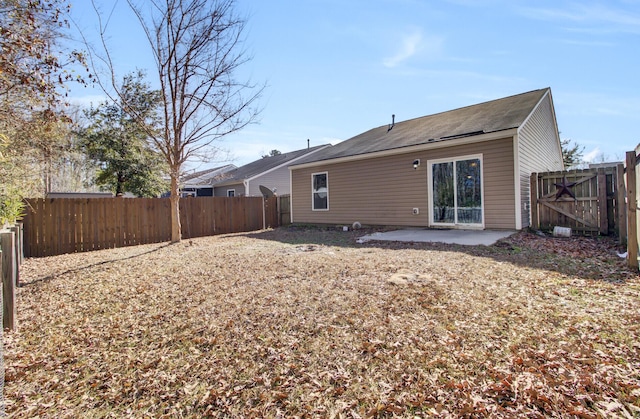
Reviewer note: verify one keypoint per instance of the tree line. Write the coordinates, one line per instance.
(139, 138)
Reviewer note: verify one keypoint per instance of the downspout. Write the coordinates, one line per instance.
(290, 196)
(516, 179)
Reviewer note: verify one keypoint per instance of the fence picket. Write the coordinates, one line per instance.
(64, 225)
(590, 211)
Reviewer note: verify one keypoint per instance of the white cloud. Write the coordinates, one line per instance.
(614, 19)
(588, 104)
(608, 111)
(588, 43)
(592, 155)
(411, 44)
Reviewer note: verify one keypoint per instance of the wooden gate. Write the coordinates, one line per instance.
(284, 210)
(584, 200)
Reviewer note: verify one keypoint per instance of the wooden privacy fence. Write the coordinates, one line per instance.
(68, 225)
(587, 201)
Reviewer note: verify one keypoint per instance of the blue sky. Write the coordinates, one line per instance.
(336, 68)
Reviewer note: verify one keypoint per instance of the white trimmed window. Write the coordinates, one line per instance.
(320, 191)
(231, 193)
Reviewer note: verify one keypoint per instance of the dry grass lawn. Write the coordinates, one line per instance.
(300, 322)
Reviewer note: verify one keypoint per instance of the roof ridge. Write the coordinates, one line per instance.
(464, 107)
(468, 121)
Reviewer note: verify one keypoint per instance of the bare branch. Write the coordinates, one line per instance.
(197, 48)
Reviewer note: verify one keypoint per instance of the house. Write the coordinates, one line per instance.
(464, 168)
(201, 183)
(271, 172)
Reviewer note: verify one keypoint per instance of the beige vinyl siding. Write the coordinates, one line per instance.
(499, 184)
(539, 150)
(384, 190)
(278, 178)
(222, 190)
(373, 191)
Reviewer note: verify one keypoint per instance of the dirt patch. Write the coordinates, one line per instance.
(307, 323)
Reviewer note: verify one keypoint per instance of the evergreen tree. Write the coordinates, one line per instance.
(119, 141)
(571, 153)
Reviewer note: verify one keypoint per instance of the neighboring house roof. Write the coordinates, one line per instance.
(206, 178)
(82, 195)
(266, 164)
(493, 116)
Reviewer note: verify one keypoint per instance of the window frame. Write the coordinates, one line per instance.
(313, 191)
(231, 191)
(454, 159)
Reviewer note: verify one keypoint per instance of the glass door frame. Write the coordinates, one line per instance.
(453, 160)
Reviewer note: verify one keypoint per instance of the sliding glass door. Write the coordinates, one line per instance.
(455, 187)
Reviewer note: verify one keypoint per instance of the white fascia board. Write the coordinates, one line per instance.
(414, 148)
(533, 111)
(228, 183)
(555, 124)
(287, 163)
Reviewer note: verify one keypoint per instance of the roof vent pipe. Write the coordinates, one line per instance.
(307, 143)
(393, 122)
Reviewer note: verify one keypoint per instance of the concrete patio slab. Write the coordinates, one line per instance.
(464, 237)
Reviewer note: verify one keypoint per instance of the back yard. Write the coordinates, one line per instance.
(308, 323)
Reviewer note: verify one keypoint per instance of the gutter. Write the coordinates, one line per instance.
(496, 135)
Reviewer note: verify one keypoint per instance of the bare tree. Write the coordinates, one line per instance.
(35, 70)
(198, 48)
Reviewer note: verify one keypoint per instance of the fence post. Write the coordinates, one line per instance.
(20, 242)
(279, 208)
(9, 273)
(632, 205)
(18, 250)
(264, 213)
(602, 202)
(533, 187)
(621, 193)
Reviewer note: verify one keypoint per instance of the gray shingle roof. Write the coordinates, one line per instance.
(206, 177)
(496, 115)
(264, 164)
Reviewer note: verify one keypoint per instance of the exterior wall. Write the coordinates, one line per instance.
(222, 190)
(384, 190)
(538, 150)
(278, 178)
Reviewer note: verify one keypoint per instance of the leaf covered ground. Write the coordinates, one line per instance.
(305, 322)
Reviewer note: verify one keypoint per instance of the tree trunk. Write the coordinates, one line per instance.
(120, 186)
(176, 229)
